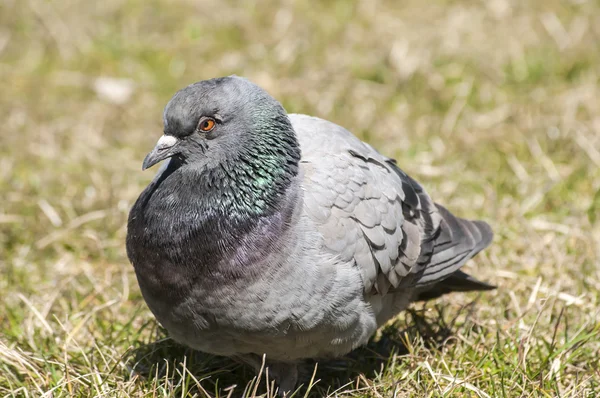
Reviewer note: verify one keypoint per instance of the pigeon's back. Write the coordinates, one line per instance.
(373, 215)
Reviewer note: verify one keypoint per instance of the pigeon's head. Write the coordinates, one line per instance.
(214, 120)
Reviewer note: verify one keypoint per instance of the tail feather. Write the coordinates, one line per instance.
(457, 282)
(458, 241)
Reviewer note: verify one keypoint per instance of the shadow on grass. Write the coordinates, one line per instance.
(177, 370)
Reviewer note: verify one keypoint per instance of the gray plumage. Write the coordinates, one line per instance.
(284, 235)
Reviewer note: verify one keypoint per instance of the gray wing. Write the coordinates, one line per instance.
(373, 214)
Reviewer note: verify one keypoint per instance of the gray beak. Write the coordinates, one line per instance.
(165, 148)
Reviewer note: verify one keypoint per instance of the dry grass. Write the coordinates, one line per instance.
(493, 105)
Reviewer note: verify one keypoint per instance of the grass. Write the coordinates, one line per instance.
(493, 106)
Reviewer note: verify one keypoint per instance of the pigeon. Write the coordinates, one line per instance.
(276, 237)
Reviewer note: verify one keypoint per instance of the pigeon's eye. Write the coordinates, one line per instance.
(206, 125)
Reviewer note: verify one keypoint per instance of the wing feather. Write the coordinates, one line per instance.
(374, 215)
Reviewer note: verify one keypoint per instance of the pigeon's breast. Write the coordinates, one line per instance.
(304, 306)
(271, 291)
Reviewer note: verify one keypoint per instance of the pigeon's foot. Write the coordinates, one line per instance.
(285, 374)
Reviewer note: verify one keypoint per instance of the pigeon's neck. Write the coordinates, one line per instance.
(252, 181)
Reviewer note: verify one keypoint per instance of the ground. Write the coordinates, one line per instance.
(493, 105)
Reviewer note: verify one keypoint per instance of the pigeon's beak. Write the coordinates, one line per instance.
(165, 148)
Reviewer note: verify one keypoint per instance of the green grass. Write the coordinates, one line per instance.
(494, 106)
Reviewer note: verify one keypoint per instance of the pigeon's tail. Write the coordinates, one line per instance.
(458, 241)
(457, 282)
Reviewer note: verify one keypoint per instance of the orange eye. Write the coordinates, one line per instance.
(206, 125)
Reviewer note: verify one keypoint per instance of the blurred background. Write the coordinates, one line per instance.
(493, 106)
